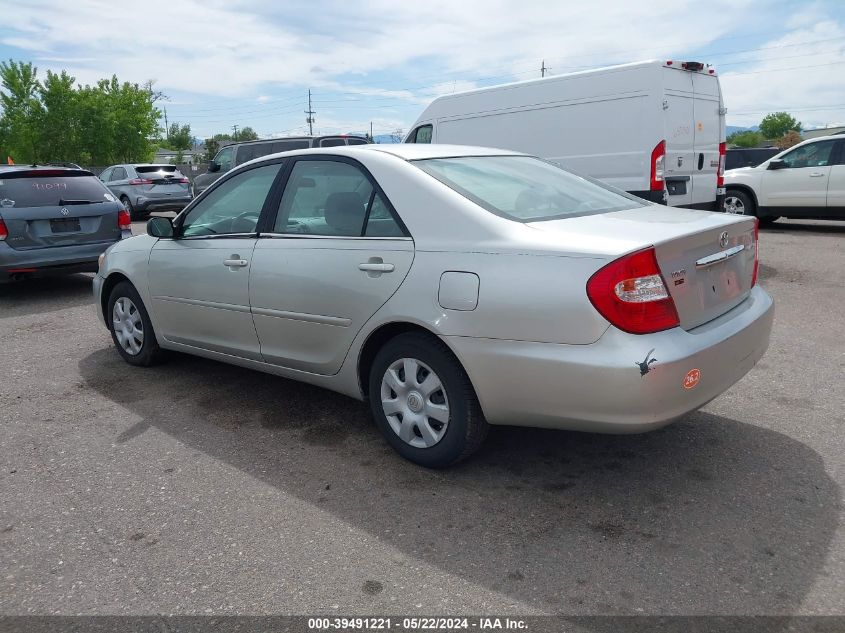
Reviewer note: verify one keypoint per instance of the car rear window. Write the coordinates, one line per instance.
(524, 188)
(148, 169)
(332, 142)
(45, 191)
(356, 141)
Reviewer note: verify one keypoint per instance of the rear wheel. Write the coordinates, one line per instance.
(126, 203)
(738, 202)
(424, 403)
(131, 328)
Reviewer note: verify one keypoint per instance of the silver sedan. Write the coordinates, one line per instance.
(452, 288)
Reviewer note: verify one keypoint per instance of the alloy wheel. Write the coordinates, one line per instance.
(734, 205)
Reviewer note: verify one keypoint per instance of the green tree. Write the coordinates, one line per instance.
(22, 111)
(777, 124)
(179, 137)
(245, 134)
(58, 133)
(748, 138)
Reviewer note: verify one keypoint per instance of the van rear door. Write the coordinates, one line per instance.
(679, 117)
(709, 122)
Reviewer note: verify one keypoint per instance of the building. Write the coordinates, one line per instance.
(823, 131)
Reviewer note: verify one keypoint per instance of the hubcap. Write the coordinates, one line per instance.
(734, 205)
(414, 401)
(128, 326)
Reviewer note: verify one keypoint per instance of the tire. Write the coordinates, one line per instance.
(139, 350)
(738, 202)
(404, 420)
(133, 215)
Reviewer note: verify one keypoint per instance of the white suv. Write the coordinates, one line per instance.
(805, 181)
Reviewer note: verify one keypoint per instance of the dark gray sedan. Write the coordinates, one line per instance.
(146, 188)
(55, 220)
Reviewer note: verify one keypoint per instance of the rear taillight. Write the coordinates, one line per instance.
(184, 181)
(4, 232)
(720, 173)
(658, 160)
(756, 252)
(631, 294)
(124, 220)
(140, 181)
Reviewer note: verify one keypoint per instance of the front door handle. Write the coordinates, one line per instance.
(235, 263)
(816, 174)
(376, 268)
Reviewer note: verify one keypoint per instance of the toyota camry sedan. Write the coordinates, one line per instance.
(450, 287)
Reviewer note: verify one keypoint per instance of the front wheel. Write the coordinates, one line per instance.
(131, 328)
(424, 403)
(738, 202)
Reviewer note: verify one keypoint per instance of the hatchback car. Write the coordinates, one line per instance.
(147, 188)
(236, 154)
(55, 220)
(451, 287)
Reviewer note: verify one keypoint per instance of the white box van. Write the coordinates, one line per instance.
(655, 128)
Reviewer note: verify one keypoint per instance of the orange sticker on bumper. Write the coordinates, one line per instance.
(692, 378)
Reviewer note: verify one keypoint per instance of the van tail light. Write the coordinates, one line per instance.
(720, 173)
(658, 161)
(4, 232)
(140, 181)
(124, 220)
(756, 252)
(631, 294)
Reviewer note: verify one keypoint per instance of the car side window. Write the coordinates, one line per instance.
(253, 150)
(810, 155)
(356, 141)
(234, 206)
(106, 175)
(839, 153)
(421, 135)
(380, 221)
(119, 173)
(332, 142)
(225, 158)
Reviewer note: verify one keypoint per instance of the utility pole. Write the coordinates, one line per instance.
(544, 69)
(310, 118)
(372, 138)
(166, 127)
(234, 132)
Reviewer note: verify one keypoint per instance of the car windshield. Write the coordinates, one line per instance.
(524, 188)
(51, 191)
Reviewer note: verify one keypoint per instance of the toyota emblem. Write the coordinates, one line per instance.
(723, 239)
(64, 211)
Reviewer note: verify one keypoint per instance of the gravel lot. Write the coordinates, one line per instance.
(200, 488)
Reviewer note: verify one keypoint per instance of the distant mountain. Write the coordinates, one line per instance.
(730, 129)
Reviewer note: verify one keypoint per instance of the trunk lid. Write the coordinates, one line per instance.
(42, 208)
(706, 259)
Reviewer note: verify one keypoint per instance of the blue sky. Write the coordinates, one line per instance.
(251, 63)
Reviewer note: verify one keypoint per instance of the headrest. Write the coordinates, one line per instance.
(345, 212)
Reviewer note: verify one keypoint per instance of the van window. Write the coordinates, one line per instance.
(287, 146)
(356, 141)
(421, 135)
(525, 189)
(332, 142)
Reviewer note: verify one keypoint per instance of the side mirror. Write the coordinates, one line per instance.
(160, 227)
(777, 163)
(213, 167)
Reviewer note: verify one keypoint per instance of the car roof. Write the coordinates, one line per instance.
(414, 151)
(291, 138)
(52, 168)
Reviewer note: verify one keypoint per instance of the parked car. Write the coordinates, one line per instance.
(452, 287)
(55, 220)
(806, 181)
(146, 188)
(654, 128)
(748, 157)
(236, 154)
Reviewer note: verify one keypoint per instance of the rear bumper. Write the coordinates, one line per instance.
(148, 205)
(51, 260)
(600, 387)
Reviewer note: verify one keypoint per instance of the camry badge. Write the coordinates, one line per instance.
(723, 239)
(64, 211)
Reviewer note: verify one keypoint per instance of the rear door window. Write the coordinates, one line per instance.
(287, 146)
(332, 142)
(119, 173)
(356, 141)
(253, 150)
(51, 191)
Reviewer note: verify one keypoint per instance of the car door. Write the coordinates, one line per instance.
(335, 253)
(199, 281)
(801, 184)
(118, 182)
(836, 183)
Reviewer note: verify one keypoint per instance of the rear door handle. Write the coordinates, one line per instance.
(816, 174)
(235, 263)
(376, 268)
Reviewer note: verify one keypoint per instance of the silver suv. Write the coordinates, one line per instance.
(236, 154)
(146, 188)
